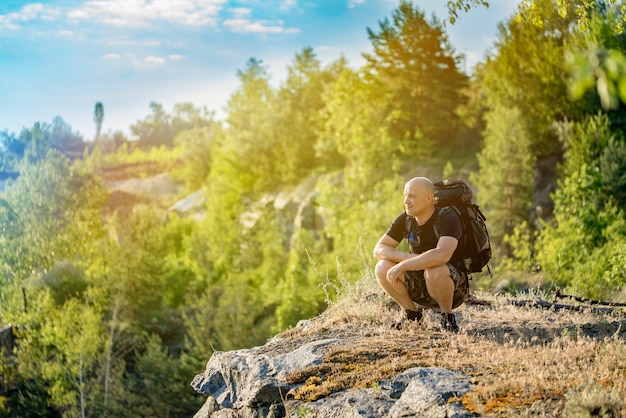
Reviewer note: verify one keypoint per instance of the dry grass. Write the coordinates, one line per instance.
(523, 361)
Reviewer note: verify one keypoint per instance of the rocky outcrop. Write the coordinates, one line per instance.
(251, 379)
(7, 340)
(161, 190)
(191, 205)
(152, 187)
(545, 184)
(295, 209)
(349, 362)
(254, 383)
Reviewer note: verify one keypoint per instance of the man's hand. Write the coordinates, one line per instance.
(394, 274)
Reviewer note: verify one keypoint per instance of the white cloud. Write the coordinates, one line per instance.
(288, 4)
(66, 33)
(355, 3)
(259, 26)
(152, 59)
(131, 13)
(241, 23)
(241, 12)
(112, 56)
(123, 42)
(175, 57)
(135, 13)
(34, 11)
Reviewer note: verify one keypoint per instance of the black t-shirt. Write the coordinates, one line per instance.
(423, 238)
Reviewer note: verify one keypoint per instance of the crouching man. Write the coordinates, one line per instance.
(432, 274)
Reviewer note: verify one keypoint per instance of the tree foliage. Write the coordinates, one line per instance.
(505, 184)
(415, 60)
(160, 128)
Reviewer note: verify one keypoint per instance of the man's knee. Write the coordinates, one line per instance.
(382, 267)
(437, 274)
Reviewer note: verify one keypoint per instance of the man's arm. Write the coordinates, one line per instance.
(385, 249)
(436, 257)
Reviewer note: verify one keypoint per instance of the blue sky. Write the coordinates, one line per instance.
(60, 57)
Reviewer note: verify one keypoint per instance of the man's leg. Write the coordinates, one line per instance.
(397, 290)
(440, 287)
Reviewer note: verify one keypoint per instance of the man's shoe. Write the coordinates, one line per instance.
(448, 322)
(412, 317)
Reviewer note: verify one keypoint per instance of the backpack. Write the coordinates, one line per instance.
(474, 242)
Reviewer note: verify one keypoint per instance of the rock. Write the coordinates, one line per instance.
(418, 392)
(295, 210)
(161, 190)
(7, 339)
(159, 185)
(192, 204)
(426, 392)
(251, 383)
(245, 378)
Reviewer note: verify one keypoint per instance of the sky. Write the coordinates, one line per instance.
(60, 57)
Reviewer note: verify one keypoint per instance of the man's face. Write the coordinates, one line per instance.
(416, 199)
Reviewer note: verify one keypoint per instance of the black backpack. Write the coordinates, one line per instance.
(475, 244)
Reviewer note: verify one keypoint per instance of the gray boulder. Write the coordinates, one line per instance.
(418, 392)
(251, 383)
(247, 378)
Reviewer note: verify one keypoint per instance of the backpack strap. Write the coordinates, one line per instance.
(408, 225)
(439, 212)
(408, 222)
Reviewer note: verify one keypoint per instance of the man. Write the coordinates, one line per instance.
(433, 273)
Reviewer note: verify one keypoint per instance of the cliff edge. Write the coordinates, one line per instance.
(513, 357)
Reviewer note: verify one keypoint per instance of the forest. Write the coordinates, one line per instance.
(114, 312)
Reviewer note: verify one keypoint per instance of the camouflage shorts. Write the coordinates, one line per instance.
(416, 285)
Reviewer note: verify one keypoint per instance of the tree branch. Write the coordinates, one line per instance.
(557, 306)
(559, 295)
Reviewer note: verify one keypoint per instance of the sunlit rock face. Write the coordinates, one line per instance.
(253, 383)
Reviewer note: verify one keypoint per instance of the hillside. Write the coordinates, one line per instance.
(519, 361)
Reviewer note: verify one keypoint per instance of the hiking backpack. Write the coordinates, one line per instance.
(474, 242)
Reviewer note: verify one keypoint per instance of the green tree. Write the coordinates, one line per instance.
(585, 143)
(613, 169)
(418, 65)
(598, 63)
(35, 142)
(187, 116)
(139, 273)
(505, 184)
(300, 100)
(75, 341)
(250, 135)
(357, 118)
(98, 118)
(164, 390)
(51, 212)
(155, 129)
(454, 7)
(11, 150)
(196, 147)
(580, 247)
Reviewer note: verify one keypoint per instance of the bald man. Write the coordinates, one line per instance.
(432, 274)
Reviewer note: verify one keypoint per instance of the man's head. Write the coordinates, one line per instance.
(418, 197)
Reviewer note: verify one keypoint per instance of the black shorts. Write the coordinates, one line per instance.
(416, 285)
